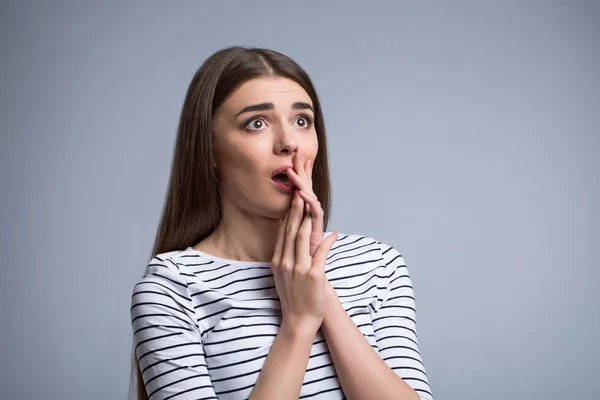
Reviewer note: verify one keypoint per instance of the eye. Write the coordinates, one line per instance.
(305, 121)
(254, 124)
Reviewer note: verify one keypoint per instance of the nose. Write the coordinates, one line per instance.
(286, 141)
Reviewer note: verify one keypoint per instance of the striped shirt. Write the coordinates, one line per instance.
(203, 325)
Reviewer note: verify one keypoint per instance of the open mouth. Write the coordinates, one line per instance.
(283, 182)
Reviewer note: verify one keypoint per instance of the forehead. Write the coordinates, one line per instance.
(282, 92)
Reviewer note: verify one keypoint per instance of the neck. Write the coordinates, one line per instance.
(242, 236)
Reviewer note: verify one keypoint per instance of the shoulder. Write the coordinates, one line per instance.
(163, 274)
(162, 296)
(359, 240)
(389, 256)
(348, 239)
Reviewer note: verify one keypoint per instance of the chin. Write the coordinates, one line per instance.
(279, 210)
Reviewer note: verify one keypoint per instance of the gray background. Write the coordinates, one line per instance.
(466, 134)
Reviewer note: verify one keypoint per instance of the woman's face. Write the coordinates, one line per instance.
(258, 129)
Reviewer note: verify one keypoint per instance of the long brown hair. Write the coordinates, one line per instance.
(192, 210)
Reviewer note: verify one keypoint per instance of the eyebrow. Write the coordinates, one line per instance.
(269, 106)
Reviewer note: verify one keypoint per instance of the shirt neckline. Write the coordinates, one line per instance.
(207, 256)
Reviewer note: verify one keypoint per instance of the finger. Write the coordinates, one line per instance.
(309, 170)
(298, 181)
(310, 197)
(303, 258)
(320, 257)
(288, 258)
(316, 213)
(299, 164)
(278, 251)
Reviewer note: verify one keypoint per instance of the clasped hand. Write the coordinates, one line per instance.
(300, 255)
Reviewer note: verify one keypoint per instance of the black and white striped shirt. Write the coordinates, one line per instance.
(204, 325)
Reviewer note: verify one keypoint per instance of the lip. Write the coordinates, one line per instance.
(281, 169)
(282, 187)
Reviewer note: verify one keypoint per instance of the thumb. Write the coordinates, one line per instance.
(320, 257)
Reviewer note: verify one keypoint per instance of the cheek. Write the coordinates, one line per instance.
(243, 168)
(311, 147)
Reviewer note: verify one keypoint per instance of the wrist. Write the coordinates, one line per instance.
(330, 294)
(332, 306)
(299, 332)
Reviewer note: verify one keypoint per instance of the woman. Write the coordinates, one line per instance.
(245, 295)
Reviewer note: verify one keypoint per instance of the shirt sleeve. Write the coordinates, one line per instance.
(167, 343)
(394, 325)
